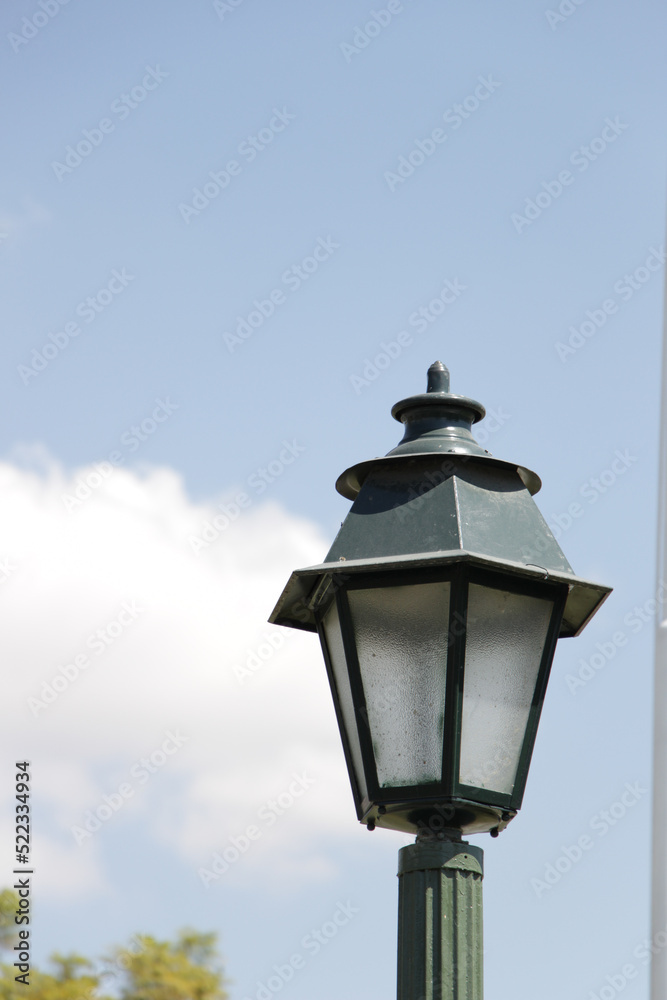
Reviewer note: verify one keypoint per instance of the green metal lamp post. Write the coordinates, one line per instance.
(438, 608)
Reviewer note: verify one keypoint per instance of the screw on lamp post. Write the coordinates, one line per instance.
(438, 631)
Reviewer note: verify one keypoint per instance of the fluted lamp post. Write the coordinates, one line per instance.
(438, 608)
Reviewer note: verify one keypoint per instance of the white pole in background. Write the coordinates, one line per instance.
(659, 863)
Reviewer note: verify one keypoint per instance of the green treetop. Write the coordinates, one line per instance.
(147, 969)
(187, 969)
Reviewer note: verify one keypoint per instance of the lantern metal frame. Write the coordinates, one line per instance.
(466, 518)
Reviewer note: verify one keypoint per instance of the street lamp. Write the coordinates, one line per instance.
(438, 608)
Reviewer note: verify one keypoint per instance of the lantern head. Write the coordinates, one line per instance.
(438, 608)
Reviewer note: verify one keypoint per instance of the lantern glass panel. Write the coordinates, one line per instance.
(505, 638)
(401, 635)
(334, 640)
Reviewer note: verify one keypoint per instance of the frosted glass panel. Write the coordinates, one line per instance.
(337, 657)
(505, 640)
(401, 635)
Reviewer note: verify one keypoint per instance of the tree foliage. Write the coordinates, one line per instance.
(73, 979)
(188, 968)
(8, 903)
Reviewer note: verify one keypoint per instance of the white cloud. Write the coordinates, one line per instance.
(165, 665)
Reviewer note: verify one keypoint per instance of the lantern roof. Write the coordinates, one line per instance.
(436, 499)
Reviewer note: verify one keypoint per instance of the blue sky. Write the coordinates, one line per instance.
(478, 183)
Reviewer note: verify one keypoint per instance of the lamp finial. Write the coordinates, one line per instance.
(438, 378)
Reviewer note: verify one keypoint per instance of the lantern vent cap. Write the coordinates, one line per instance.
(437, 422)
